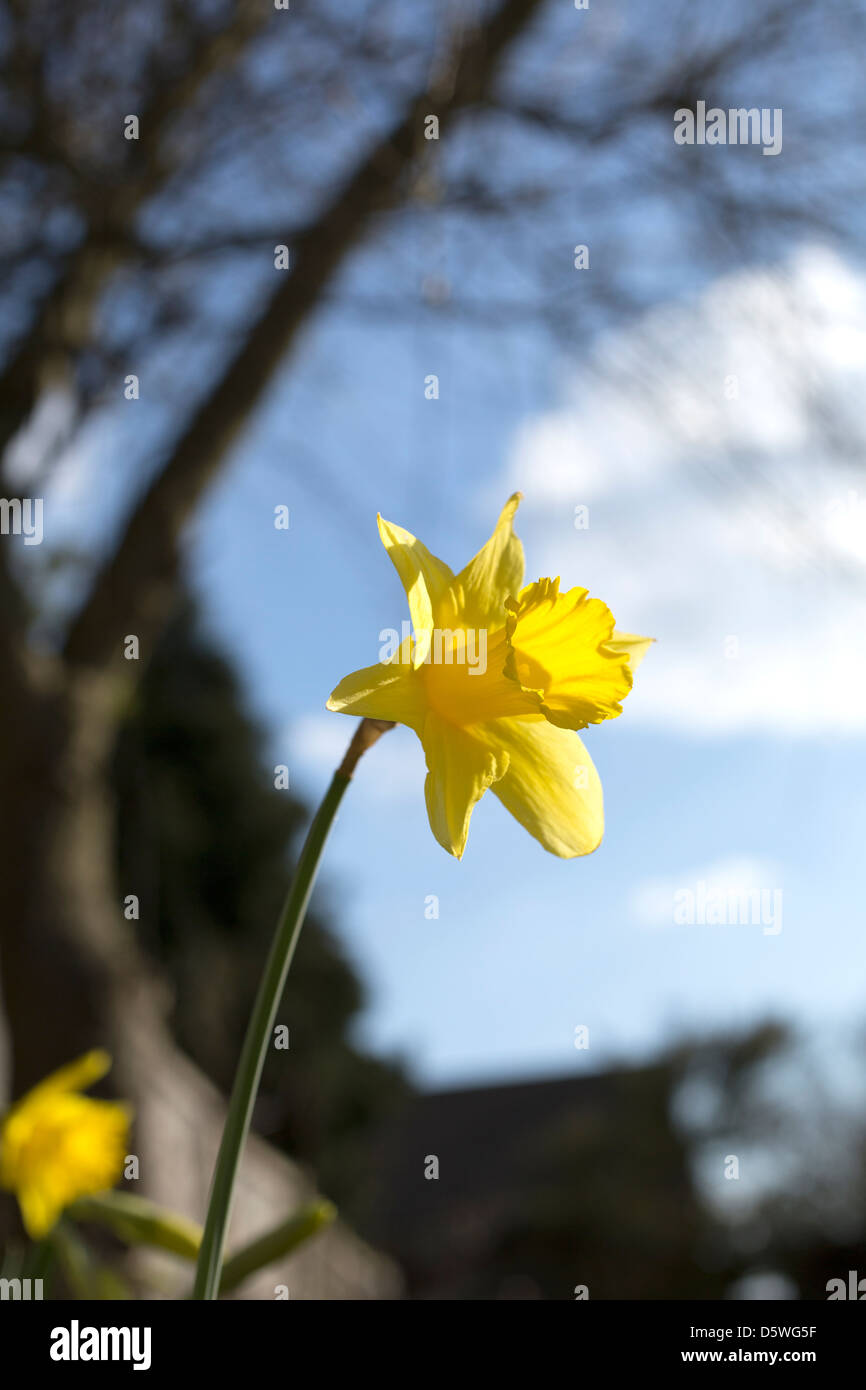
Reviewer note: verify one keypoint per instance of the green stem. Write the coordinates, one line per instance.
(137, 1221)
(258, 1036)
(276, 1244)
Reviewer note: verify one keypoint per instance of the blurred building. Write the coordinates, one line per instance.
(532, 1189)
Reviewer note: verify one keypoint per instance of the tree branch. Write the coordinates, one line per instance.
(134, 590)
(90, 264)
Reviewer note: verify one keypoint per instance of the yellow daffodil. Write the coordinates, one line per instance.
(57, 1145)
(495, 678)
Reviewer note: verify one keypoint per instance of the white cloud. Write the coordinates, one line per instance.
(718, 447)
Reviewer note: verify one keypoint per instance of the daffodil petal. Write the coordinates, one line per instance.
(75, 1076)
(38, 1212)
(459, 771)
(635, 647)
(560, 648)
(550, 786)
(477, 596)
(389, 690)
(424, 577)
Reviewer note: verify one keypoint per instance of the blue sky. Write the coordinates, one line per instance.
(748, 768)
